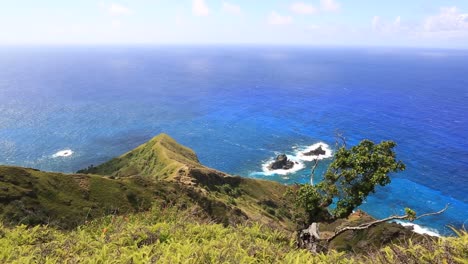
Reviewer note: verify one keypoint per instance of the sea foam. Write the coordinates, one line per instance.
(328, 152)
(298, 157)
(298, 165)
(63, 153)
(420, 229)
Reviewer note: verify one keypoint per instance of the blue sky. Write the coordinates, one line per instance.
(417, 23)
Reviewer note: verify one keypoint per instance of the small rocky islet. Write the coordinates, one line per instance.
(282, 162)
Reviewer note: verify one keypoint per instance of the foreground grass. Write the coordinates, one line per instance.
(173, 236)
(162, 236)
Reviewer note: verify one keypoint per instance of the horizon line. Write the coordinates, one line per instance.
(286, 45)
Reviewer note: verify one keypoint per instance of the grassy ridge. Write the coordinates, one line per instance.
(160, 158)
(160, 170)
(230, 198)
(33, 197)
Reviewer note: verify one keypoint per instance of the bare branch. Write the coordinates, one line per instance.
(393, 217)
(339, 137)
(367, 225)
(312, 173)
(435, 213)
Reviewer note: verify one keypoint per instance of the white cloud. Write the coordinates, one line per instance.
(397, 22)
(231, 8)
(303, 8)
(118, 9)
(449, 23)
(276, 19)
(330, 5)
(375, 24)
(449, 19)
(380, 26)
(199, 8)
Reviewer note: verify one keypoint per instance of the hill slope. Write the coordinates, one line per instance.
(163, 159)
(160, 158)
(159, 170)
(165, 175)
(31, 196)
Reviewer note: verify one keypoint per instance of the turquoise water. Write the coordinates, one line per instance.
(238, 107)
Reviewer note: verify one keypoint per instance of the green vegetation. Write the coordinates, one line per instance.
(32, 197)
(228, 199)
(355, 172)
(157, 203)
(351, 177)
(169, 235)
(160, 158)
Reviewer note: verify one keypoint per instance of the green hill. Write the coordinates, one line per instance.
(160, 158)
(231, 198)
(158, 203)
(31, 196)
(160, 170)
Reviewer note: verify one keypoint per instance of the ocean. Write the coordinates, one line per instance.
(63, 108)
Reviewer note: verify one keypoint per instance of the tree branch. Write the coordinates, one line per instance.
(339, 136)
(434, 213)
(312, 173)
(393, 217)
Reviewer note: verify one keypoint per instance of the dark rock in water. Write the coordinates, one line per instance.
(281, 162)
(315, 152)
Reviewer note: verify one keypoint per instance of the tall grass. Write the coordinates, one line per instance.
(167, 235)
(430, 250)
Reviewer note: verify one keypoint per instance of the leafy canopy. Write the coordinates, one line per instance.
(351, 177)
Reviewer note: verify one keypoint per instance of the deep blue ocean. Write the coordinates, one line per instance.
(238, 107)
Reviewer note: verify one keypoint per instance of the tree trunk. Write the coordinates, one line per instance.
(312, 173)
(310, 239)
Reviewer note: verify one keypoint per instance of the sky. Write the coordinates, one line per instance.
(413, 23)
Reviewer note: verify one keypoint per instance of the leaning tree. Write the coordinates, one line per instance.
(353, 174)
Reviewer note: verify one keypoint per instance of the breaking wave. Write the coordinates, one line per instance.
(299, 157)
(63, 153)
(301, 154)
(298, 165)
(420, 229)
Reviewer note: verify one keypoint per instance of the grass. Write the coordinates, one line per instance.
(32, 197)
(162, 235)
(228, 199)
(429, 250)
(160, 158)
(158, 204)
(168, 235)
